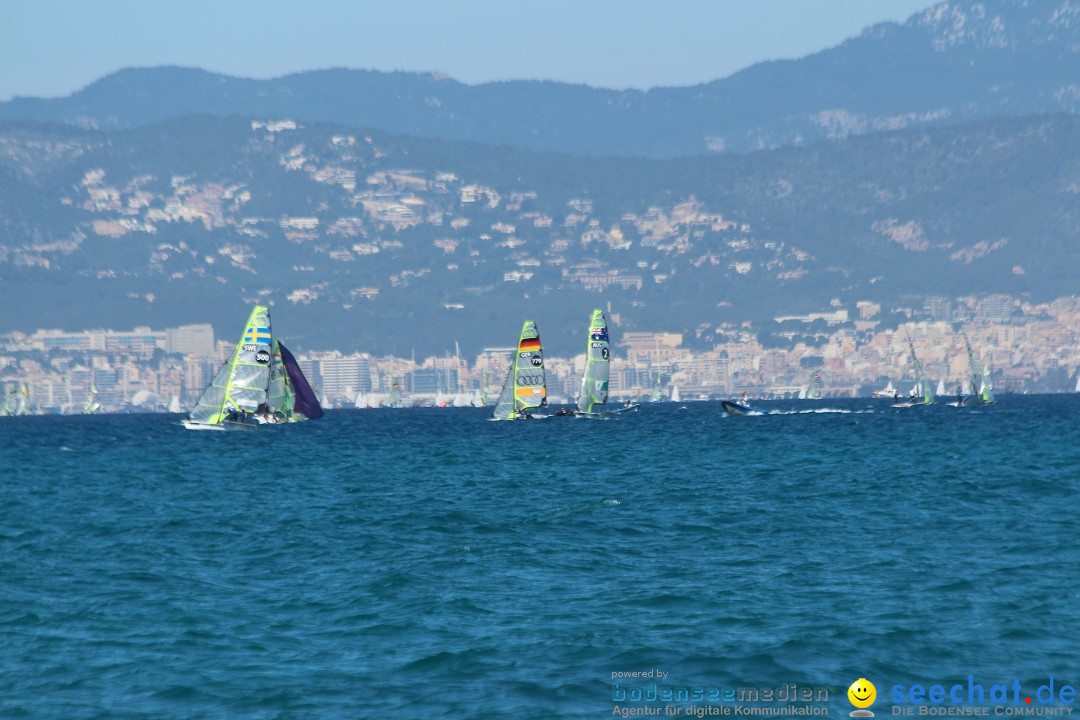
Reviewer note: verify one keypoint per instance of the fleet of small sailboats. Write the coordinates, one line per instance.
(920, 393)
(260, 383)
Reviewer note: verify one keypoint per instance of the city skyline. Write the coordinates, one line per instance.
(1021, 347)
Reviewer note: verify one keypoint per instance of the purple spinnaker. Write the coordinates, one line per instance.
(304, 401)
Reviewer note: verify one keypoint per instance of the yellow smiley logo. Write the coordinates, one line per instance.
(862, 693)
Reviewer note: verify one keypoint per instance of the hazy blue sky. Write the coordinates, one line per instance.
(54, 47)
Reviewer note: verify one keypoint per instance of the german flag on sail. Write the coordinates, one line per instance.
(529, 344)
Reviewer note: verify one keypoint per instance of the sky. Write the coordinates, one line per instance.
(51, 48)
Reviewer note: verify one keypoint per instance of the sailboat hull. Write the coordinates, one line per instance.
(225, 426)
(607, 414)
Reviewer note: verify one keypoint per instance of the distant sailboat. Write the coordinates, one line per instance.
(22, 404)
(525, 387)
(920, 393)
(986, 388)
(394, 401)
(941, 388)
(813, 389)
(657, 393)
(11, 401)
(675, 397)
(92, 404)
(484, 389)
(174, 404)
(262, 377)
(981, 381)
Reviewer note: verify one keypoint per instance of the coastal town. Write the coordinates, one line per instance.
(1025, 348)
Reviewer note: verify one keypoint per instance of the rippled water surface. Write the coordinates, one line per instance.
(428, 563)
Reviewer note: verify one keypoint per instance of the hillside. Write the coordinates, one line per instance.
(391, 243)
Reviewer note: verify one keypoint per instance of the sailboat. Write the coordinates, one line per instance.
(675, 397)
(594, 382)
(174, 404)
(394, 401)
(23, 401)
(921, 392)
(813, 389)
(981, 381)
(92, 404)
(484, 389)
(525, 387)
(10, 402)
(986, 388)
(941, 388)
(657, 394)
(261, 376)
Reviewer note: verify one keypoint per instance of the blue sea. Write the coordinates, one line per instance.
(430, 563)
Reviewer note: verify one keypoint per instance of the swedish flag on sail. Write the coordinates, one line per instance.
(257, 336)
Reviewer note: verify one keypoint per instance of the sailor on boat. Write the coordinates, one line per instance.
(959, 395)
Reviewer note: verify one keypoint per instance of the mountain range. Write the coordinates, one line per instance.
(954, 62)
(393, 212)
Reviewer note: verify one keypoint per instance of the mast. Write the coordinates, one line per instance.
(973, 368)
(921, 384)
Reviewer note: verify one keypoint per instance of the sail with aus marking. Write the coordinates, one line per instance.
(594, 383)
(525, 386)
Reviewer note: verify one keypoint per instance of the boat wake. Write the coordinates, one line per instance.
(822, 411)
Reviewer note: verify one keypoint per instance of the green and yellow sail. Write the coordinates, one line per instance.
(526, 385)
(243, 381)
(594, 382)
